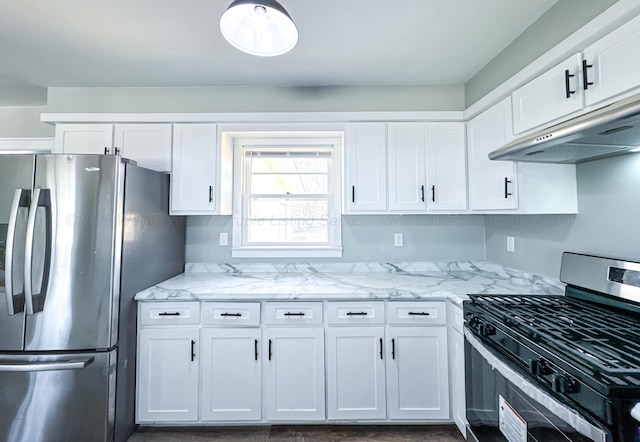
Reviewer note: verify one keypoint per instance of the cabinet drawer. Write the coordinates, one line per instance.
(231, 313)
(169, 313)
(283, 313)
(355, 313)
(426, 313)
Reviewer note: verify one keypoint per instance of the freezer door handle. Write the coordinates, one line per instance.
(20, 199)
(35, 302)
(21, 366)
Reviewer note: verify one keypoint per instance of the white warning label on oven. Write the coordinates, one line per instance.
(512, 425)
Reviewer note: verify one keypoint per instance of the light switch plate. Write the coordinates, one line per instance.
(224, 239)
(511, 244)
(398, 240)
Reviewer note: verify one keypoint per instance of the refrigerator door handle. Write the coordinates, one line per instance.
(20, 199)
(72, 364)
(41, 198)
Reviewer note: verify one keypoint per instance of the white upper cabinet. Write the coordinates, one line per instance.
(365, 189)
(149, 145)
(492, 184)
(406, 144)
(201, 177)
(612, 64)
(554, 94)
(446, 167)
(84, 138)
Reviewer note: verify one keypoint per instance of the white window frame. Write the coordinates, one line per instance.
(334, 247)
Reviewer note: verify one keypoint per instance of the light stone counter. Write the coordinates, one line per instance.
(342, 281)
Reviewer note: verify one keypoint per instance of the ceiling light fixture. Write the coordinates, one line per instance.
(259, 27)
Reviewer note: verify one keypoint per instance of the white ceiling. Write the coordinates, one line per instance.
(178, 43)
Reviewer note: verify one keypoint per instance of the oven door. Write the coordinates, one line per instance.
(502, 405)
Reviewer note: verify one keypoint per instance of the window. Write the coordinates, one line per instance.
(289, 199)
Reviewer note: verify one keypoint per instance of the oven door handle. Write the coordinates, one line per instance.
(635, 412)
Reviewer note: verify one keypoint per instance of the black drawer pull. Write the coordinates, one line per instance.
(357, 313)
(169, 314)
(294, 314)
(418, 314)
(380, 348)
(422, 191)
(353, 194)
(256, 349)
(433, 193)
(393, 349)
(235, 315)
(193, 350)
(270, 354)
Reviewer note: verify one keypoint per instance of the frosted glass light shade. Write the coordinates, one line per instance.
(259, 27)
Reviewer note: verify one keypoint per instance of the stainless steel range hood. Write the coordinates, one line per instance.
(608, 131)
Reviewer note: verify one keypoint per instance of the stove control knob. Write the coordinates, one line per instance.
(539, 367)
(563, 384)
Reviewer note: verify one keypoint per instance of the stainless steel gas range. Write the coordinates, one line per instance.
(557, 368)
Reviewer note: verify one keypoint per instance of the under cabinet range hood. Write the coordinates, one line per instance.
(608, 131)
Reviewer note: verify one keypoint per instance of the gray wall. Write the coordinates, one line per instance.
(364, 239)
(607, 223)
(24, 122)
(257, 99)
(560, 21)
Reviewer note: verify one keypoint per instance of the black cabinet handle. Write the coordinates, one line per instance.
(422, 190)
(106, 151)
(567, 86)
(169, 314)
(357, 313)
(507, 194)
(255, 349)
(294, 314)
(116, 151)
(270, 349)
(393, 349)
(380, 348)
(193, 350)
(433, 193)
(235, 315)
(353, 194)
(585, 75)
(210, 194)
(418, 314)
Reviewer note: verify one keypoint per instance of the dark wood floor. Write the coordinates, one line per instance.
(301, 433)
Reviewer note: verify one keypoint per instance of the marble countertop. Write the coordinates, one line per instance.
(342, 281)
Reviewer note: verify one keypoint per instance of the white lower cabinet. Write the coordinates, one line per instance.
(457, 368)
(417, 377)
(168, 364)
(231, 374)
(355, 373)
(294, 374)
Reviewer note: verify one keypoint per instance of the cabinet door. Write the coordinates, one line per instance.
(193, 178)
(418, 381)
(492, 184)
(446, 167)
(84, 138)
(366, 180)
(231, 374)
(168, 375)
(148, 144)
(355, 373)
(295, 373)
(407, 168)
(615, 63)
(554, 94)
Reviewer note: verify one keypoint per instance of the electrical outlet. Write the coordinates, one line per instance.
(398, 240)
(511, 244)
(224, 239)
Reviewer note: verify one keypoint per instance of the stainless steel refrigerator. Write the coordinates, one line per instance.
(79, 236)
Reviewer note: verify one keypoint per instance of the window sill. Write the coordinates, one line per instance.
(287, 252)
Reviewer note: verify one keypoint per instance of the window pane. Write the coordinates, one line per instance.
(287, 231)
(278, 209)
(294, 184)
(266, 163)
